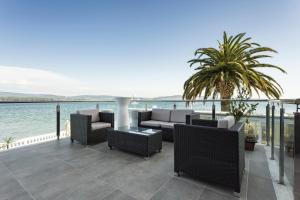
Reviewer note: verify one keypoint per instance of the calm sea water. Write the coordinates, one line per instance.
(23, 120)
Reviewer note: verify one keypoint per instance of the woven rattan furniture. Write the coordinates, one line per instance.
(142, 141)
(210, 153)
(167, 124)
(87, 130)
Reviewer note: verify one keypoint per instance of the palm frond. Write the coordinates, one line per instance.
(233, 65)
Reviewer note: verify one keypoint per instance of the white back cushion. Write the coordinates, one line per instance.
(226, 122)
(179, 115)
(93, 112)
(161, 115)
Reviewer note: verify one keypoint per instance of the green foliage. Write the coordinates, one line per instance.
(233, 65)
(8, 141)
(250, 132)
(241, 108)
(251, 138)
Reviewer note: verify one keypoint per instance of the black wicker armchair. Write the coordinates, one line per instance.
(87, 132)
(210, 153)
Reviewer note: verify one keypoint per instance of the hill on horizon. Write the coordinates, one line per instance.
(14, 96)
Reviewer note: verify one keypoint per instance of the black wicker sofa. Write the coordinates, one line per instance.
(91, 126)
(210, 153)
(164, 119)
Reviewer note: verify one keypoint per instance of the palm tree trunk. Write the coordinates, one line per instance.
(226, 91)
(225, 102)
(225, 105)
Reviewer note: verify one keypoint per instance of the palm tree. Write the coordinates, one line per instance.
(232, 66)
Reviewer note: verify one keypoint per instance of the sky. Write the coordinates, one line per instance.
(134, 47)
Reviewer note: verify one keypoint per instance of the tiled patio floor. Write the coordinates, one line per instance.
(59, 170)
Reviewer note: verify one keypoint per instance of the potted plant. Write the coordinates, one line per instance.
(250, 136)
(7, 141)
(242, 109)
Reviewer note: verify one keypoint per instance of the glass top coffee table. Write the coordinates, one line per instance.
(142, 141)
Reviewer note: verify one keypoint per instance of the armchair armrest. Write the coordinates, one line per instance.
(80, 127)
(107, 117)
(239, 128)
(189, 118)
(144, 116)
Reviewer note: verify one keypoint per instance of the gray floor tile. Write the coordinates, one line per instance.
(20, 196)
(213, 195)
(118, 195)
(17, 155)
(86, 189)
(44, 174)
(146, 187)
(105, 167)
(58, 186)
(60, 170)
(3, 171)
(260, 187)
(29, 165)
(259, 168)
(84, 158)
(178, 189)
(259, 181)
(10, 189)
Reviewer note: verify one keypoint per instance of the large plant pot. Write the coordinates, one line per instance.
(249, 146)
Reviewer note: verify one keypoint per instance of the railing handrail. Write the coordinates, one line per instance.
(74, 101)
(288, 101)
(204, 100)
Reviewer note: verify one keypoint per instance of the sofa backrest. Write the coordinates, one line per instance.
(92, 112)
(205, 122)
(209, 139)
(179, 115)
(161, 114)
(226, 122)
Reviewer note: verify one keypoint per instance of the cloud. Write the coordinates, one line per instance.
(29, 80)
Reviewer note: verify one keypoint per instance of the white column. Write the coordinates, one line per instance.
(122, 111)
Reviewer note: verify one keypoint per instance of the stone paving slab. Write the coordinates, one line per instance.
(59, 170)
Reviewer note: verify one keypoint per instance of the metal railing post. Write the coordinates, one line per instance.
(213, 111)
(268, 124)
(273, 132)
(296, 154)
(297, 133)
(281, 150)
(58, 121)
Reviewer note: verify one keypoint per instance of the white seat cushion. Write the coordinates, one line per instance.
(93, 112)
(100, 125)
(151, 123)
(168, 124)
(179, 115)
(161, 115)
(226, 122)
